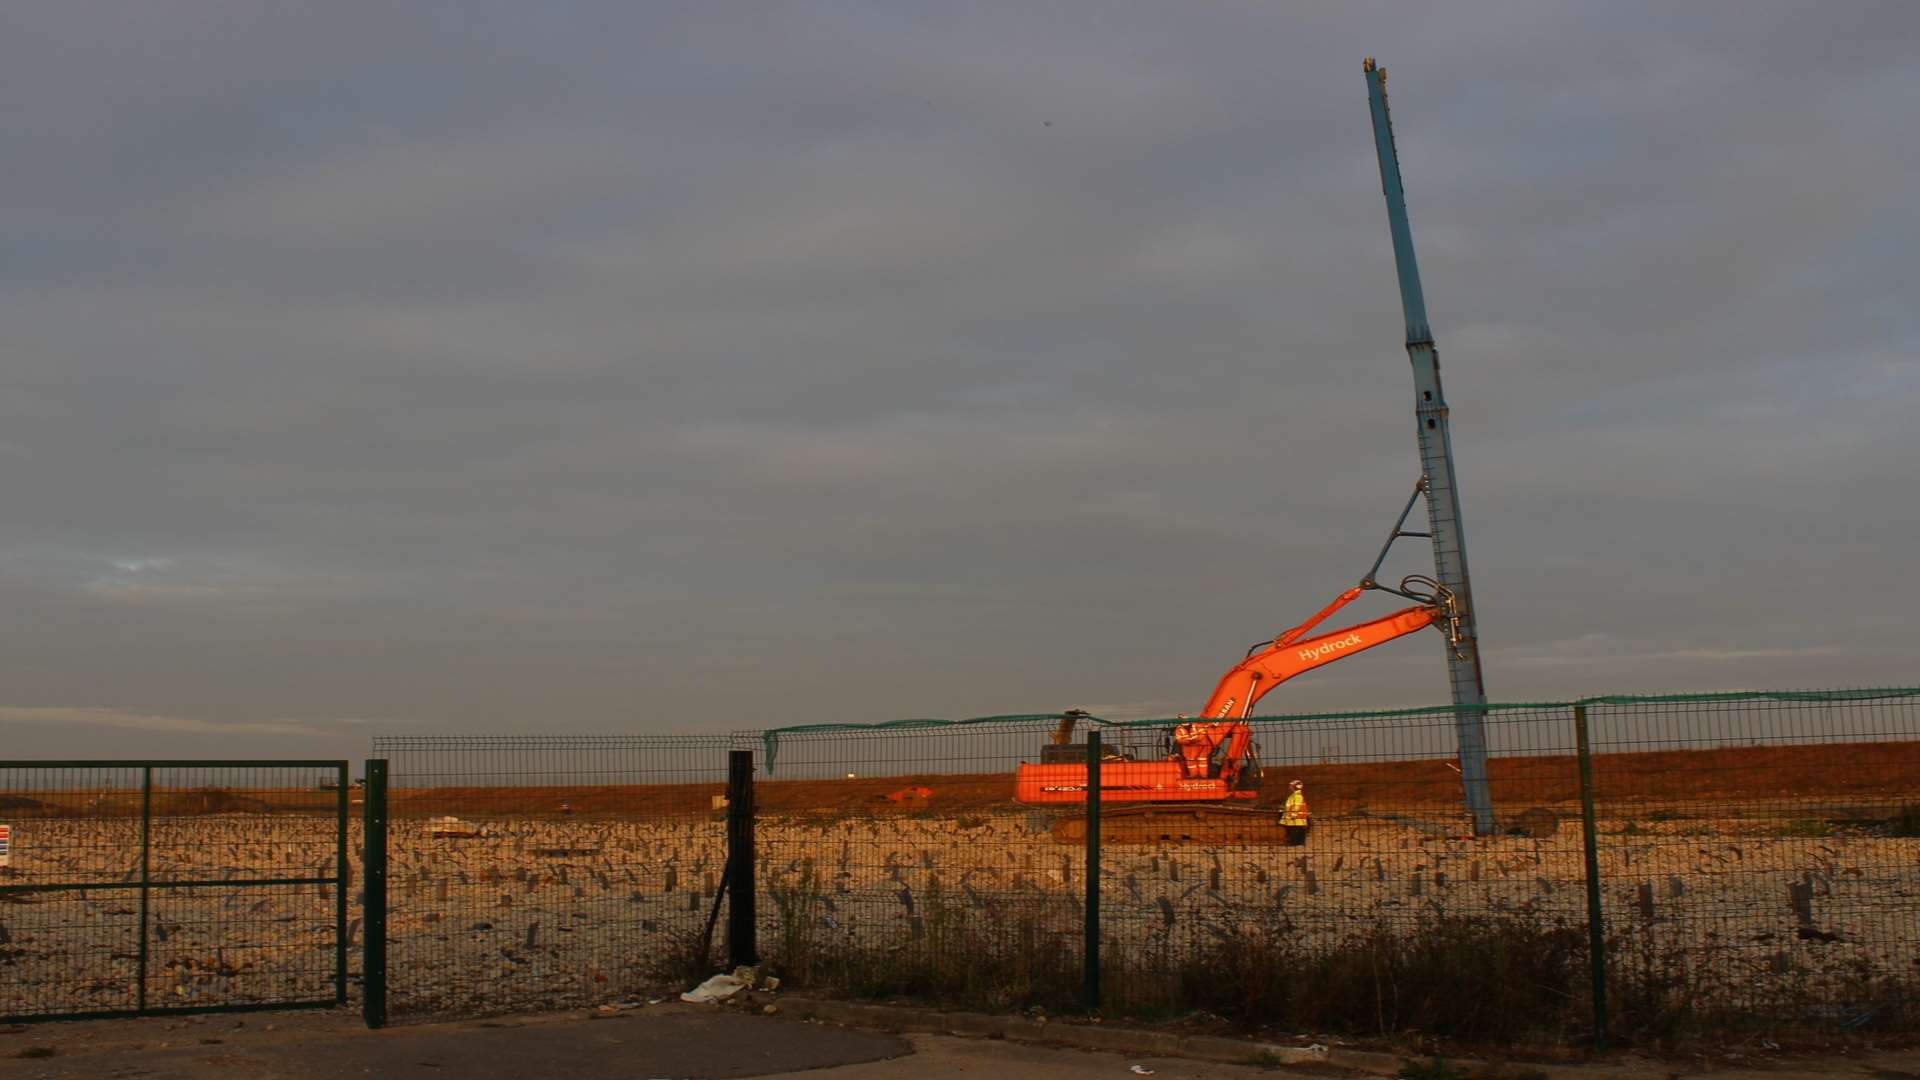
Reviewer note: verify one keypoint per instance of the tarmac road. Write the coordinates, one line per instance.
(667, 1040)
(661, 1041)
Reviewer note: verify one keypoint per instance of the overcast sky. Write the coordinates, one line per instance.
(643, 367)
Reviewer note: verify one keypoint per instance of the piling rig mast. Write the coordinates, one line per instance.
(1436, 463)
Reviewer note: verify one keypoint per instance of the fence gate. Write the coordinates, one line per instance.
(139, 887)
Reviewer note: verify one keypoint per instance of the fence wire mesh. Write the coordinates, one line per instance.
(547, 871)
(141, 887)
(895, 862)
(1365, 918)
(1755, 857)
(1760, 856)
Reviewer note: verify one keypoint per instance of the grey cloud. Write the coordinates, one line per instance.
(673, 367)
(135, 721)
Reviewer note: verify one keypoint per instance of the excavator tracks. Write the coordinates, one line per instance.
(1175, 824)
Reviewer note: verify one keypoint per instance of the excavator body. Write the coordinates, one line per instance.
(1120, 781)
(1202, 787)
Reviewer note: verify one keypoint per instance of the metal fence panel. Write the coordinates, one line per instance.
(1754, 854)
(133, 888)
(894, 861)
(1363, 921)
(1760, 856)
(531, 872)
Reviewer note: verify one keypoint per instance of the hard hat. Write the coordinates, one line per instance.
(1296, 783)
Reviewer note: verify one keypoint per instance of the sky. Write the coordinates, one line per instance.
(504, 367)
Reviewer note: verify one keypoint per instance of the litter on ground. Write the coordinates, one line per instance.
(718, 988)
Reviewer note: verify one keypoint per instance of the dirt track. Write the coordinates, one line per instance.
(1832, 774)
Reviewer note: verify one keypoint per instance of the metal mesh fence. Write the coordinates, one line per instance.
(546, 871)
(139, 887)
(1374, 895)
(1754, 857)
(894, 861)
(1759, 855)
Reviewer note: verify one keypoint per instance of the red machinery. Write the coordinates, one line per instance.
(1212, 758)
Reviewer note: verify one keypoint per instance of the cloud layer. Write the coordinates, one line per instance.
(681, 367)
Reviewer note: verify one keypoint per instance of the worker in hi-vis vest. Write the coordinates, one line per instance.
(1294, 818)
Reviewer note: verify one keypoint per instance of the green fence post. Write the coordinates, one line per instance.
(742, 949)
(344, 880)
(1596, 927)
(373, 897)
(146, 875)
(1092, 946)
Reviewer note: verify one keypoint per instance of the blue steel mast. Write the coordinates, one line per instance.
(1436, 463)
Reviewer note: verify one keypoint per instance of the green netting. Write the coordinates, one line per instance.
(770, 740)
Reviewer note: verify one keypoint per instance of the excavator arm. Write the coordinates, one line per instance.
(1220, 744)
(1212, 756)
(1290, 655)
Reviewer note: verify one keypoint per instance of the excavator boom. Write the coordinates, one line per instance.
(1257, 675)
(1211, 758)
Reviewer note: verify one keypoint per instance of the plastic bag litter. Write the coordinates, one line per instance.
(1142, 1070)
(718, 988)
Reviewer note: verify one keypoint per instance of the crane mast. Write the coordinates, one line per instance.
(1436, 463)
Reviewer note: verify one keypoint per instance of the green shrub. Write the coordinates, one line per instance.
(973, 953)
(1459, 976)
(797, 899)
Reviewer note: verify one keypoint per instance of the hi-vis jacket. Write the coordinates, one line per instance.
(1295, 812)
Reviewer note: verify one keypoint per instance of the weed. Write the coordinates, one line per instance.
(1906, 822)
(1461, 976)
(978, 954)
(37, 1052)
(798, 901)
(684, 958)
(1805, 828)
(1653, 983)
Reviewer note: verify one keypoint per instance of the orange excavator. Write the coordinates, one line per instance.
(1212, 759)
